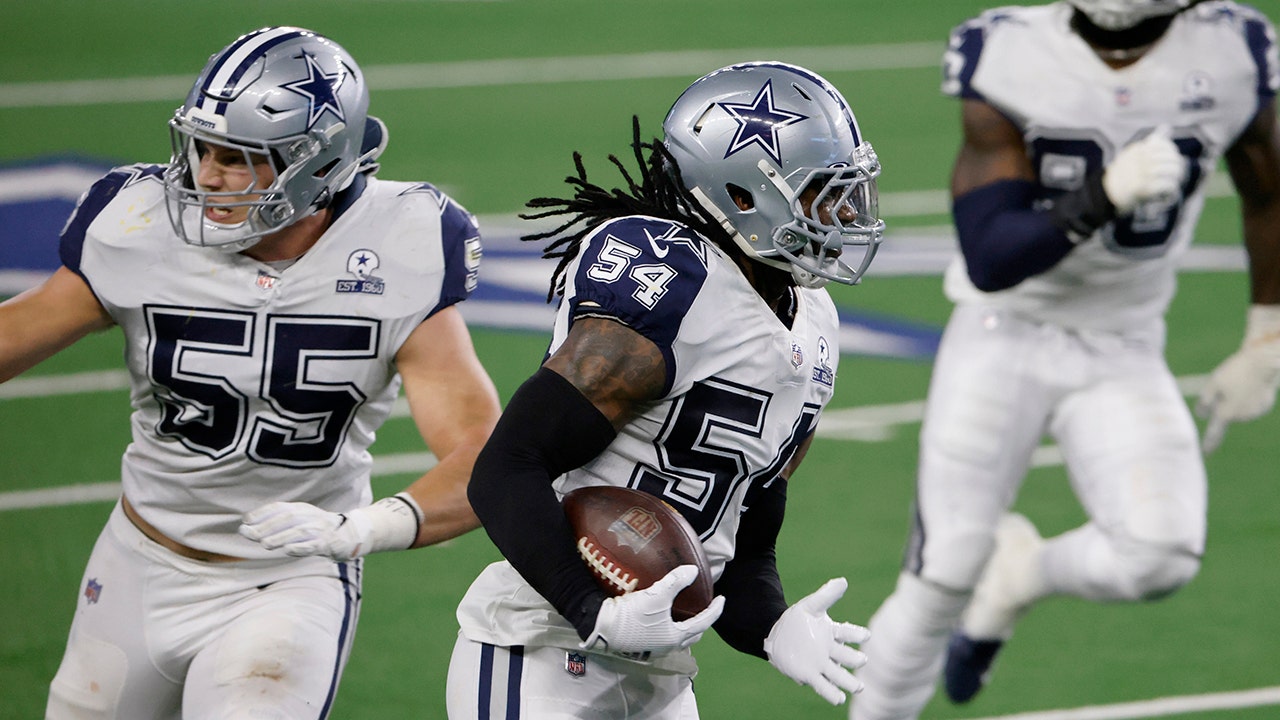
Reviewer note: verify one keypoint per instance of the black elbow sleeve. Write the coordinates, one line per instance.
(547, 429)
(750, 583)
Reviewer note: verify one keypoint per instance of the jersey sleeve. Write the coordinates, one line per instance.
(643, 272)
(1260, 37)
(460, 244)
(964, 49)
(89, 206)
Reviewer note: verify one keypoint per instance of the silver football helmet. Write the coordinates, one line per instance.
(281, 93)
(780, 141)
(1124, 14)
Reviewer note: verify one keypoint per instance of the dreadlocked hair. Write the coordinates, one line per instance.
(660, 193)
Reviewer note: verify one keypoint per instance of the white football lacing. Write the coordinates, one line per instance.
(604, 567)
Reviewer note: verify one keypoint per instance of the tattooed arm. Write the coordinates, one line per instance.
(616, 368)
(566, 414)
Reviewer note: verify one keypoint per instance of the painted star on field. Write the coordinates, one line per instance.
(759, 122)
(320, 89)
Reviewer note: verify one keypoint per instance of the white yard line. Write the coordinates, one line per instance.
(505, 71)
(390, 464)
(870, 423)
(1157, 708)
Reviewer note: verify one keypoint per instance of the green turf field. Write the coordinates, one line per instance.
(494, 144)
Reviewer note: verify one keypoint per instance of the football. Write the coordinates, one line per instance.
(631, 539)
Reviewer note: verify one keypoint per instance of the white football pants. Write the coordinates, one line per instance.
(157, 636)
(1131, 449)
(492, 682)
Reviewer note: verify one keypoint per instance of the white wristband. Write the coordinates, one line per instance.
(390, 524)
(1262, 328)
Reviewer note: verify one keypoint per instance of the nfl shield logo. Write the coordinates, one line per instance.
(636, 528)
(92, 590)
(575, 664)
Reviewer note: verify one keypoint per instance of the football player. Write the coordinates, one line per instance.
(1090, 129)
(274, 296)
(693, 351)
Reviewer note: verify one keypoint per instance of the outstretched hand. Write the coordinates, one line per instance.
(1243, 387)
(809, 647)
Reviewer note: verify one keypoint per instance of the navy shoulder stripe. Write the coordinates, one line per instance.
(961, 60)
(1261, 40)
(91, 204)
(645, 272)
(460, 241)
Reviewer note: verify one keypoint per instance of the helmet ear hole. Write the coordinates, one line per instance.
(741, 197)
(322, 172)
(747, 138)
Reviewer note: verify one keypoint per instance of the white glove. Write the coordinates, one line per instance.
(1243, 387)
(809, 647)
(302, 529)
(640, 624)
(1149, 169)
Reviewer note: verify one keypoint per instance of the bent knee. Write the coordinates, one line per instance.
(1156, 572)
(89, 681)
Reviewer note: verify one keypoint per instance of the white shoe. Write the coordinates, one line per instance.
(1011, 581)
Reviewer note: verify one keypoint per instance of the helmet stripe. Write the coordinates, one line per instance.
(239, 57)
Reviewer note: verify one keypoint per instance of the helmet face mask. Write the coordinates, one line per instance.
(1124, 14)
(282, 94)
(833, 208)
(773, 152)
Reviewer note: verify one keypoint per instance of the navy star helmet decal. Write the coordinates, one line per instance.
(758, 123)
(320, 89)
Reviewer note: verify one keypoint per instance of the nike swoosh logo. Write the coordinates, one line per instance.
(661, 252)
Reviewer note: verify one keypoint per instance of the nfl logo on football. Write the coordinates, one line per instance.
(636, 528)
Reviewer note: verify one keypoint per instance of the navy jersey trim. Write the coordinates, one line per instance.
(1259, 41)
(461, 248)
(90, 205)
(969, 41)
(343, 201)
(645, 273)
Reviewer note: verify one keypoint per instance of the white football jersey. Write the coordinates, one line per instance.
(252, 384)
(743, 391)
(1205, 79)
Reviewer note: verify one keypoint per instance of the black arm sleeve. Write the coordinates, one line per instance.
(1005, 240)
(752, 590)
(547, 429)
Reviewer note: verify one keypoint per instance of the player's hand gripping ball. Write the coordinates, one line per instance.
(631, 539)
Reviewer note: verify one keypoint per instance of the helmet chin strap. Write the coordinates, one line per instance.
(732, 231)
(803, 277)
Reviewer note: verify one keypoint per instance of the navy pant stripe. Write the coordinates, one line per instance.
(486, 679)
(514, 669)
(351, 608)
